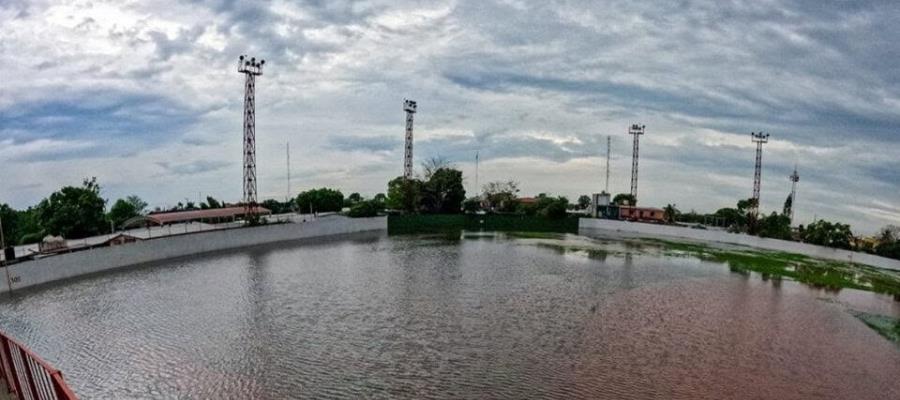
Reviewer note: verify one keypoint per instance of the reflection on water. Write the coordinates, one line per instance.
(484, 316)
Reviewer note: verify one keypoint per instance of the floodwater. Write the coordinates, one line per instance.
(482, 316)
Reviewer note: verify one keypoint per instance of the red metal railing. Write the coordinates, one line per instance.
(28, 376)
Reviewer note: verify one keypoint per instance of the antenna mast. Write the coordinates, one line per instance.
(794, 179)
(251, 69)
(608, 141)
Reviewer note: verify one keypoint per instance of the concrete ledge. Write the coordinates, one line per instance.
(637, 229)
(4, 280)
(70, 265)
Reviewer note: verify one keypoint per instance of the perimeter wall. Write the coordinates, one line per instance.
(30, 273)
(637, 229)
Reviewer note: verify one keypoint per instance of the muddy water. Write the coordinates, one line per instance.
(485, 316)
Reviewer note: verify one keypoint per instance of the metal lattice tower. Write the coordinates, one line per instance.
(608, 141)
(795, 177)
(759, 138)
(410, 107)
(251, 69)
(637, 131)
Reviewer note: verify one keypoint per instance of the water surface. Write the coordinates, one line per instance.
(485, 316)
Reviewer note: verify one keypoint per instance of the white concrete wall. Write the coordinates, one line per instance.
(4, 284)
(69, 265)
(637, 229)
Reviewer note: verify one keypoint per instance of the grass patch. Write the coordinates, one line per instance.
(813, 272)
(885, 326)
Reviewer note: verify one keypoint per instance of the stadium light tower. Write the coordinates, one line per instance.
(637, 131)
(410, 107)
(795, 177)
(251, 69)
(759, 138)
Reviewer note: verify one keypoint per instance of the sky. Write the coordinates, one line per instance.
(145, 96)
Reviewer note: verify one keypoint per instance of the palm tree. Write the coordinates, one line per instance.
(670, 213)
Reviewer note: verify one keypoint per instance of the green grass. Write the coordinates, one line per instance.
(885, 326)
(817, 273)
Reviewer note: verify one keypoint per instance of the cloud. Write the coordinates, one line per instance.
(193, 168)
(534, 87)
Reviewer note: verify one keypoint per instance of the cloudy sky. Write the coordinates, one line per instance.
(144, 95)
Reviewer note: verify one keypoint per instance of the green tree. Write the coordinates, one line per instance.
(404, 194)
(472, 205)
(365, 208)
(9, 218)
(501, 196)
(776, 226)
(277, 207)
(890, 233)
(830, 234)
(320, 200)
(671, 213)
(624, 199)
(28, 227)
(889, 242)
(546, 206)
(584, 202)
(352, 199)
(890, 250)
(443, 192)
(553, 207)
(74, 212)
(731, 217)
(788, 203)
(210, 203)
(121, 211)
(380, 199)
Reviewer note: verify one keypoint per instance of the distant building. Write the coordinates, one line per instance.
(645, 214)
(527, 201)
(599, 203)
(212, 215)
(52, 244)
(121, 238)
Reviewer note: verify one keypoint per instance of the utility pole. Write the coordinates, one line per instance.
(476, 172)
(759, 138)
(794, 179)
(635, 130)
(2, 239)
(410, 107)
(608, 141)
(288, 151)
(251, 69)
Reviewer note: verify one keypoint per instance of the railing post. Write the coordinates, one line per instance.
(11, 372)
(59, 388)
(28, 373)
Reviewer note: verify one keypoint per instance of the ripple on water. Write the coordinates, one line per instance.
(490, 317)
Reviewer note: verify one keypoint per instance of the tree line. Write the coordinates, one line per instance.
(72, 212)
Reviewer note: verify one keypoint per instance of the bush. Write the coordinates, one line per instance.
(320, 200)
(363, 209)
